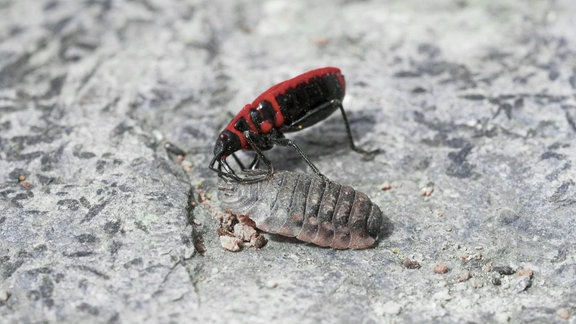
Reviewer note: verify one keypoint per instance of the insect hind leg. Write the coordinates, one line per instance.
(368, 154)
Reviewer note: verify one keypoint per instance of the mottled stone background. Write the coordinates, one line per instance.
(473, 104)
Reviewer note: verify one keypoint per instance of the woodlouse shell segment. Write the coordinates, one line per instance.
(307, 207)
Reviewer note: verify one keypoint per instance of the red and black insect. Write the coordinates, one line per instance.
(289, 106)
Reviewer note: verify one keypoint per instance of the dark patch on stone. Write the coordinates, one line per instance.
(458, 142)
(460, 156)
(429, 50)
(552, 155)
(474, 97)
(91, 270)
(50, 5)
(418, 90)
(141, 226)
(56, 85)
(407, 74)
(51, 159)
(79, 153)
(100, 165)
(87, 308)
(44, 180)
(125, 188)
(12, 155)
(86, 155)
(460, 171)
(24, 254)
(46, 290)
(504, 270)
(559, 195)
(572, 80)
(508, 217)
(84, 202)
(15, 71)
(33, 295)
(78, 254)
(558, 145)
(120, 129)
(59, 25)
(23, 196)
(74, 45)
(7, 193)
(40, 249)
(112, 227)
(506, 107)
(560, 256)
(87, 238)
(94, 211)
(2, 220)
(8, 268)
(115, 247)
(134, 262)
(569, 112)
(157, 196)
(114, 318)
(460, 168)
(71, 204)
(5, 126)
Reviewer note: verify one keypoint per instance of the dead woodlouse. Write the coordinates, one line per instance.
(305, 206)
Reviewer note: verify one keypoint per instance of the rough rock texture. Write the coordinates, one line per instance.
(472, 102)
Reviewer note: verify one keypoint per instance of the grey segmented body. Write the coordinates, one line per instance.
(307, 207)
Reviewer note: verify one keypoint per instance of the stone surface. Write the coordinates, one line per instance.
(473, 104)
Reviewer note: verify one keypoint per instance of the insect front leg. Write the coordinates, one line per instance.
(257, 143)
(369, 154)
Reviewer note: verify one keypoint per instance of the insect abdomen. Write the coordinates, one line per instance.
(295, 102)
(306, 207)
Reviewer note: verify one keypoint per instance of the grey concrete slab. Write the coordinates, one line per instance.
(472, 103)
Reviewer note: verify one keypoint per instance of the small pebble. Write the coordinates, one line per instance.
(488, 267)
(503, 270)
(464, 276)
(496, 280)
(187, 165)
(258, 242)
(563, 313)
(440, 268)
(411, 264)
(476, 283)
(270, 284)
(427, 191)
(4, 295)
(523, 284)
(230, 243)
(524, 272)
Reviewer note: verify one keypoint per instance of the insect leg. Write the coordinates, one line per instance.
(242, 167)
(251, 138)
(349, 132)
(278, 138)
